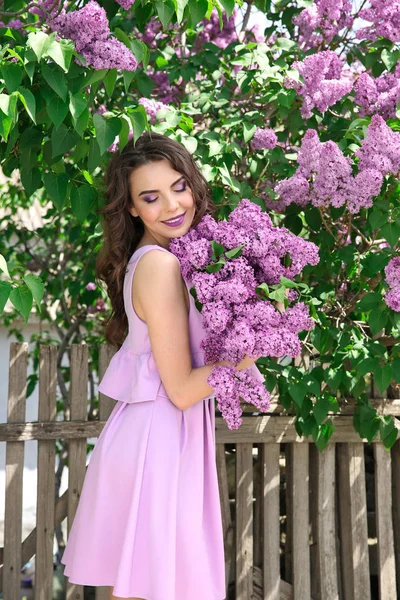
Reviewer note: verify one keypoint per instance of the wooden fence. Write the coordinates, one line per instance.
(296, 522)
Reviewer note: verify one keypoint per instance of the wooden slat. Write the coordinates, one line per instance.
(289, 514)
(300, 526)
(352, 511)
(313, 508)
(227, 526)
(14, 471)
(260, 429)
(384, 528)
(77, 448)
(326, 530)
(106, 406)
(46, 476)
(271, 526)
(244, 521)
(396, 508)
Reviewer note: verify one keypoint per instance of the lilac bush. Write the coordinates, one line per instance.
(250, 254)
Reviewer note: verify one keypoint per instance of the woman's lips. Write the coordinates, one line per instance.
(176, 221)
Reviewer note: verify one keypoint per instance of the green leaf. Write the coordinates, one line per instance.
(56, 81)
(333, 378)
(377, 320)
(12, 74)
(321, 409)
(197, 11)
(396, 369)
(217, 250)
(179, 9)
(391, 232)
(285, 44)
(8, 105)
(110, 80)
(369, 301)
(376, 219)
(63, 139)
(138, 118)
(31, 180)
(165, 10)
(21, 298)
(297, 392)
(57, 111)
(29, 102)
(3, 266)
(77, 104)
(81, 124)
(235, 252)
(126, 128)
(39, 42)
(36, 286)
(82, 198)
(248, 131)
(215, 267)
(390, 59)
(93, 77)
(128, 78)
(61, 52)
(324, 433)
(95, 156)
(106, 131)
(56, 186)
(5, 290)
(383, 377)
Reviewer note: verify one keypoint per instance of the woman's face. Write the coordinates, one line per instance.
(159, 193)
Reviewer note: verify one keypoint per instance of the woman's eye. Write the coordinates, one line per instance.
(182, 189)
(149, 200)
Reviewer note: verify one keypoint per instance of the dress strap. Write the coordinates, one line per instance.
(132, 264)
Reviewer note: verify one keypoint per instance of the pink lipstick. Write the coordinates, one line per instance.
(176, 221)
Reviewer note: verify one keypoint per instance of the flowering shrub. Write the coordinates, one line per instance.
(300, 118)
(228, 262)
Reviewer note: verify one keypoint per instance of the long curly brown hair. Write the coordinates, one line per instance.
(122, 231)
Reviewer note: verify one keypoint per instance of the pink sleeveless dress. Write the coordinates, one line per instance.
(149, 519)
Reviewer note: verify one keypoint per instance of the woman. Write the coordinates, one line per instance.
(148, 523)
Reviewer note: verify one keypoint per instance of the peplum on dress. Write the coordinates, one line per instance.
(149, 519)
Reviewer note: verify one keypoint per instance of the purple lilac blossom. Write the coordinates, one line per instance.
(378, 95)
(126, 4)
(152, 107)
(392, 274)
(212, 32)
(237, 321)
(264, 138)
(89, 29)
(385, 18)
(324, 175)
(324, 82)
(321, 21)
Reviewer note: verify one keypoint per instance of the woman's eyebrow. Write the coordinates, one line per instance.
(149, 191)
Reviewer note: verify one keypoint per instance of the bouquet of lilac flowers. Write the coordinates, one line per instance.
(231, 265)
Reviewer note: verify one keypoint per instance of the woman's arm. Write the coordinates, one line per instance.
(161, 297)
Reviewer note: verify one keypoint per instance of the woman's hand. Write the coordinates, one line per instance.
(246, 363)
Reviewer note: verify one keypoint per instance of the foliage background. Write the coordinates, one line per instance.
(60, 118)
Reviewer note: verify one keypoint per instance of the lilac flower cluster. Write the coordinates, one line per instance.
(152, 107)
(12, 24)
(378, 95)
(89, 29)
(392, 273)
(324, 176)
(126, 4)
(264, 138)
(324, 82)
(211, 31)
(237, 321)
(384, 16)
(164, 91)
(327, 16)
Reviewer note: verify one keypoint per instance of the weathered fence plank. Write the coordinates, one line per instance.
(46, 476)
(244, 521)
(14, 470)
(384, 526)
(77, 448)
(352, 505)
(271, 529)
